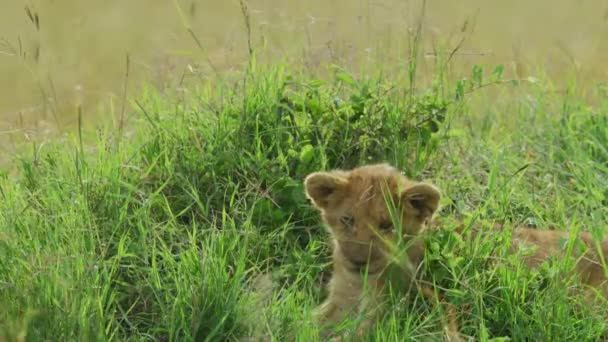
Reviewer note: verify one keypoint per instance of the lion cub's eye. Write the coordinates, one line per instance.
(386, 226)
(348, 221)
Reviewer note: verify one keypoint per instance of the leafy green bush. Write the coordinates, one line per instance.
(254, 148)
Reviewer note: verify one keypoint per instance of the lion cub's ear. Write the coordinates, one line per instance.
(421, 200)
(322, 187)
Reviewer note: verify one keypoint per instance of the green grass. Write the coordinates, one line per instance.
(196, 226)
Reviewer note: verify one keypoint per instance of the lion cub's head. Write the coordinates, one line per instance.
(370, 208)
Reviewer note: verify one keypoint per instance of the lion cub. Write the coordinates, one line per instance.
(355, 208)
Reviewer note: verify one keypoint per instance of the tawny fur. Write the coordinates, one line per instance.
(540, 245)
(353, 205)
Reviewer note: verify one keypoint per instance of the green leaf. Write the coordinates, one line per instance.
(477, 75)
(346, 78)
(498, 72)
(307, 154)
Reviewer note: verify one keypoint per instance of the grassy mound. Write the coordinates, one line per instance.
(174, 233)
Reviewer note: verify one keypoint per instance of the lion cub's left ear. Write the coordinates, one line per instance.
(421, 200)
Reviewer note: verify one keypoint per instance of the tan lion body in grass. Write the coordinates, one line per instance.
(354, 208)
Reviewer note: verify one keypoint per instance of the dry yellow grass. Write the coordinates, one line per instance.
(82, 47)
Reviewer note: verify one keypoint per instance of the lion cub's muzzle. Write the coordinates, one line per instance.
(360, 267)
(361, 256)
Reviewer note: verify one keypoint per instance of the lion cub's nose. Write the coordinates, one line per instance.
(359, 263)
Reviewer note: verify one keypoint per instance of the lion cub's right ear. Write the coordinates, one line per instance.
(322, 187)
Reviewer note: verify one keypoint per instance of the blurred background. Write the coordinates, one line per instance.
(58, 57)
